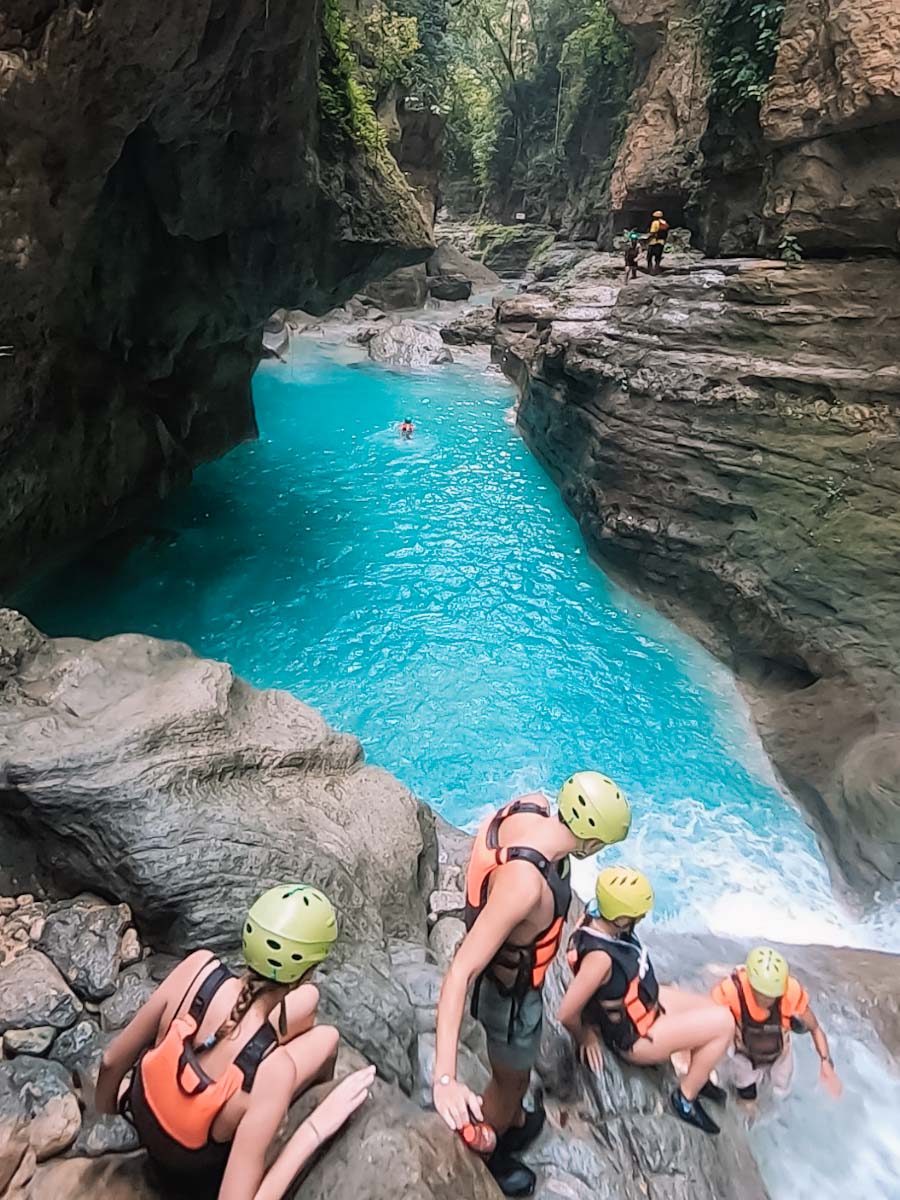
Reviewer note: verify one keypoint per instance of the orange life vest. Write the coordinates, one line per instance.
(173, 1102)
(625, 1007)
(531, 962)
(761, 1030)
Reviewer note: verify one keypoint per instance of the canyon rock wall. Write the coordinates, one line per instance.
(729, 437)
(166, 182)
(819, 160)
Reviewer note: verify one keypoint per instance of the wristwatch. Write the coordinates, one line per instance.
(445, 1079)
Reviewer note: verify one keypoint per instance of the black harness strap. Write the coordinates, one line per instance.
(255, 1050)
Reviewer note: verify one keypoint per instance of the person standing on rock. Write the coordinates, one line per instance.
(659, 232)
(216, 1059)
(768, 1004)
(518, 891)
(614, 998)
(632, 255)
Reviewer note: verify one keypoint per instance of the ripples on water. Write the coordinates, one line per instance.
(435, 598)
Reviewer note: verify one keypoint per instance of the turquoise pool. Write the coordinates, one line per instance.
(435, 598)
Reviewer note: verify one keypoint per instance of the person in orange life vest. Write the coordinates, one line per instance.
(406, 428)
(768, 1004)
(217, 1059)
(614, 997)
(659, 232)
(517, 896)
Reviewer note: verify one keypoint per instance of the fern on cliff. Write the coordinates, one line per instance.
(345, 105)
(741, 39)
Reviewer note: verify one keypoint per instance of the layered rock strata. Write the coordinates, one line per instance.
(728, 435)
(165, 184)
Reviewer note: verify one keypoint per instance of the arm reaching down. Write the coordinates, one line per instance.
(141, 1032)
(594, 971)
(827, 1074)
(516, 893)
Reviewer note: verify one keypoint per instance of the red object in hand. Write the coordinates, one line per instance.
(480, 1138)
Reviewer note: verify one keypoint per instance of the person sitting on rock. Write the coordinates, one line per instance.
(217, 1058)
(767, 1005)
(406, 429)
(614, 997)
(659, 232)
(517, 896)
(632, 254)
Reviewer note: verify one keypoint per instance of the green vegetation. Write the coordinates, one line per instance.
(549, 74)
(345, 105)
(535, 91)
(741, 39)
(790, 250)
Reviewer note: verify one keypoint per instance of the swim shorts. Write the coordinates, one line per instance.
(516, 1047)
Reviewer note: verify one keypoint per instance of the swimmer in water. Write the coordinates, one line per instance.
(406, 428)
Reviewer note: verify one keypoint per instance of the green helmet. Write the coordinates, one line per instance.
(289, 929)
(767, 972)
(623, 892)
(594, 808)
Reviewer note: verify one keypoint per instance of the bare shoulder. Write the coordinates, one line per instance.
(179, 979)
(518, 884)
(534, 798)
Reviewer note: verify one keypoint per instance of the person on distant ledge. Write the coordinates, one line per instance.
(632, 254)
(768, 1004)
(518, 889)
(659, 232)
(216, 1059)
(406, 429)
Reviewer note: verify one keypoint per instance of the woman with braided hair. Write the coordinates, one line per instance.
(217, 1059)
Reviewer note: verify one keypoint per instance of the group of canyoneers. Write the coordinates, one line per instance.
(208, 1068)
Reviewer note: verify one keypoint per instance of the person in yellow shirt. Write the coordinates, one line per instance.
(659, 232)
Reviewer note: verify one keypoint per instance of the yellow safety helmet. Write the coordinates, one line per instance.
(623, 892)
(657, 214)
(288, 930)
(767, 972)
(594, 808)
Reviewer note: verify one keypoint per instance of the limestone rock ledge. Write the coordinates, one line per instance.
(728, 436)
(165, 184)
(152, 777)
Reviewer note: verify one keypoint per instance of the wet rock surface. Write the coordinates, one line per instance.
(507, 249)
(448, 260)
(469, 329)
(33, 993)
(728, 436)
(409, 344)
(36, 1100)
(85, 941)
(449, 287)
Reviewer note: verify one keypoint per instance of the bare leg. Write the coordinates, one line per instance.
(503, 1096)
(313, 1055)
(707, 1031)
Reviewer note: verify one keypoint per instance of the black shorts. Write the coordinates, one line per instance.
(654, 254)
